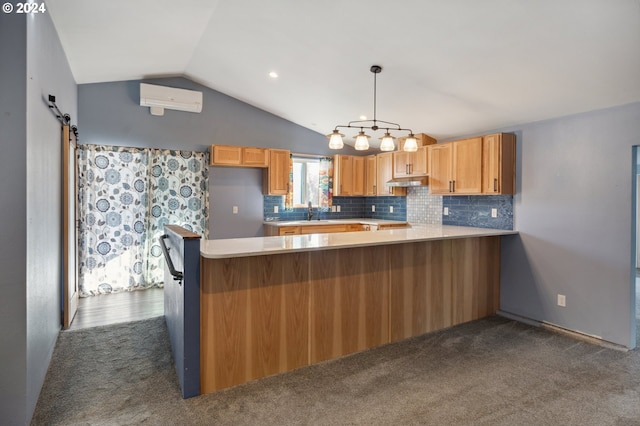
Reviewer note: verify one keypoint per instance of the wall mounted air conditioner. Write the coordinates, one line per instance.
(157, 98)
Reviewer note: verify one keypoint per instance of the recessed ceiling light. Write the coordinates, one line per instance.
(363, 117)
(273, 74)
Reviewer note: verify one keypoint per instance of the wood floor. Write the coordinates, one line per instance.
(120, 307)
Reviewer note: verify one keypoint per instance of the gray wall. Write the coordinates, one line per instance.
(573, 211)
(47, 73)
(110, 114)
(33, 66)
(13, 210)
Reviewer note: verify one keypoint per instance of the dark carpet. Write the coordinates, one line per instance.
(488, 372)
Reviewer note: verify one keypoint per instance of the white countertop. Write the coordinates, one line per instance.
(362, 221)
(258, 246)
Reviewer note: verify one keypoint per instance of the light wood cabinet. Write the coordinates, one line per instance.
(239, 156)
(275, 178)
(498, 163)
(456, 167)
(384, 165)
(371, 176)
(348, 175)
(275, 230)
(411, 164)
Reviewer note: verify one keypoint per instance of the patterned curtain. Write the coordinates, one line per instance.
(288, 199)
(126, 195)
(325, 184)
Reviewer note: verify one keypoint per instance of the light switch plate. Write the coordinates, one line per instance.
(390, 209)
(235, 209)
(373, 208)
(446, 211)
(275, 209)
(333, 209)
(562, 300)
(494, 212)
(338, 209)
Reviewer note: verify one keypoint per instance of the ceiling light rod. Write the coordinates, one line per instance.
(335, 138)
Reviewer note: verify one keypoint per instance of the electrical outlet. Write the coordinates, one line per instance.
(275, 209)
(373, 208)
(390, 209)
(338, 209)
(494, 212)
(446, 211)
(235, 209)
(562, 300)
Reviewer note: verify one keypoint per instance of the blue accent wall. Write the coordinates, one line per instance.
(475, 210)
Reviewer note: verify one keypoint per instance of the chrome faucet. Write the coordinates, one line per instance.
(310, 212)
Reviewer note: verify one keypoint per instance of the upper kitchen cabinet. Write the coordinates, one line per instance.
(348, 175)
(370, 176)
(275, 178)
(384, 172)
(456, 167)
(499, 163)
(239, 156)
(410, 164)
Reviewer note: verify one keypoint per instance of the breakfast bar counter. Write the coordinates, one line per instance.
(273, 304)
(259, 246)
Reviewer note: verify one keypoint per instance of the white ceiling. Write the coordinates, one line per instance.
(450, 67)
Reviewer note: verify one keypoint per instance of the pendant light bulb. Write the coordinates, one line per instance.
(335, 140)
(387, 143)
(362, 142)
(410, 144)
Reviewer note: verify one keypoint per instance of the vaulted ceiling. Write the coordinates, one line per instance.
(450, 68)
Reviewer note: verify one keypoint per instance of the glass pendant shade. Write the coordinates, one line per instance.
(386, 143)
(335, 140)
(362, 142)
(410, 144)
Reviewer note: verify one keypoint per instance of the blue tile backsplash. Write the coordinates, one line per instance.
(475, 210)
(350, 207)
(472, 210)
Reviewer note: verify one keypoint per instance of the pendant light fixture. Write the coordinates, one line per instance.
(362, 139)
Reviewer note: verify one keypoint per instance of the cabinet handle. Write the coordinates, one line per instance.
(495, 185)
(406, 169)
(375, 189)
(453, 185)
(450, 186)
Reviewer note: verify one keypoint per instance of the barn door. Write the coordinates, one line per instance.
(69, 195)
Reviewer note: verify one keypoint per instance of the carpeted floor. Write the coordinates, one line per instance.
(488, 372)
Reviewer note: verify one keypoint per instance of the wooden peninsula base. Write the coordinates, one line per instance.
(266, 314)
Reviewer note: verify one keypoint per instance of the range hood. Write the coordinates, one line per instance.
(404, 182)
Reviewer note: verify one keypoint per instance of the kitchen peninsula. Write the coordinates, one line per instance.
(273, 304)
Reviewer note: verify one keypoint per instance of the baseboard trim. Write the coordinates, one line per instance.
(594, 340)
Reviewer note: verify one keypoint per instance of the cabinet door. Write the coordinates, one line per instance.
(224, 155)
(371, 182)
(440, 168)
(401, 164)
(498, 164)
(357, 175)
(275, 180)
(467, 166)
(419, 162)
(255, 157)
(385, 174)
(343, 176)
